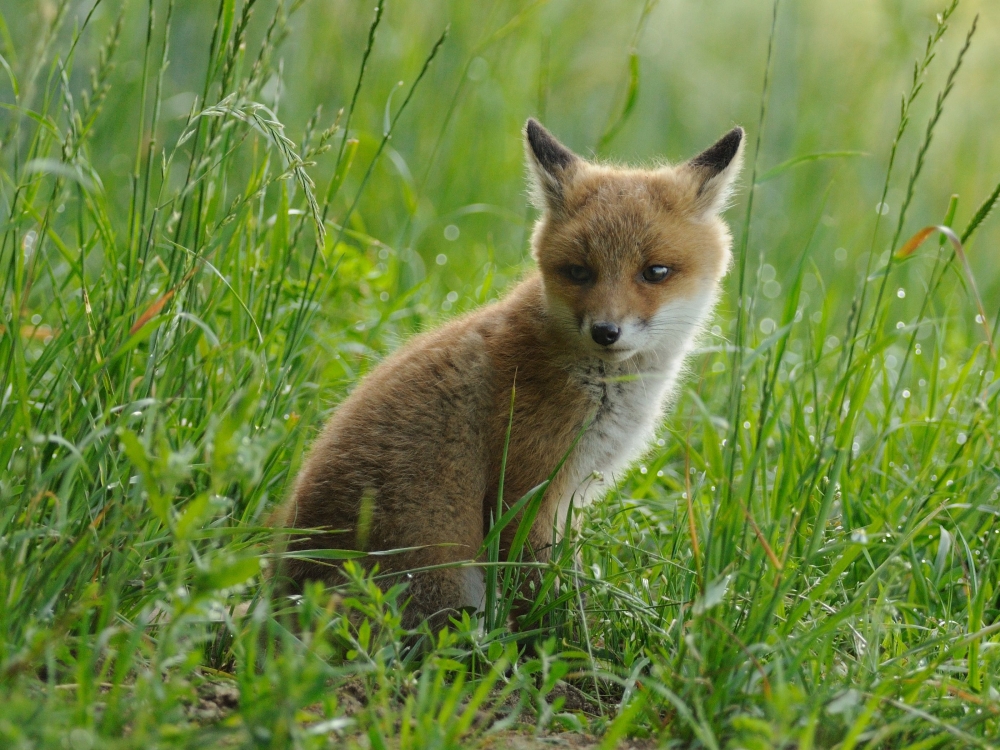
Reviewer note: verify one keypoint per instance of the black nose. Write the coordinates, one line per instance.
(605, 334)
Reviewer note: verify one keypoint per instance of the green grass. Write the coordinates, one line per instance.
(810, 557)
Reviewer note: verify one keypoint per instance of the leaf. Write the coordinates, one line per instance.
(10, 74)
(136, 453)
(323, 554)
(227, 575)
(507, 517)
(191, 517)
(715, 592)
(798, 161)
(843, 702)
(345, 164)
(943, 551)
(981, 214)
(631, 96)
(152, 311)
(910, 246)
(228, 17)
(91, 183)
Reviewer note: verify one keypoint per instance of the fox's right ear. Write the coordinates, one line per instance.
(551, 164)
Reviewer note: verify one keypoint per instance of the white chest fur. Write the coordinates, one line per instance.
(629, 399)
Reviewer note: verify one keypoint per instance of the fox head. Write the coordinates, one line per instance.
(631, 259)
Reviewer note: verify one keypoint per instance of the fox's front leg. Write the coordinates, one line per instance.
(536, 553)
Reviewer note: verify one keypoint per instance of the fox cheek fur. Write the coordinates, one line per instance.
(603, 227)
(629, 267)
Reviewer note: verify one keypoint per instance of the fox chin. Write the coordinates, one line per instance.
(629, 264)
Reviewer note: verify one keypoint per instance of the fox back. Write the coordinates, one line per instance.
(592, 345)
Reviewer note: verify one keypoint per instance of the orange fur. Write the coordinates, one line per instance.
(412, 457)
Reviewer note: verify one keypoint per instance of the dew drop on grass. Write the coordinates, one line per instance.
(900, 324)
(772, 289)
(719, 367)
(36, 319)
(906, 393)
(882, 208)
(901, 293)
(659, 473)
(451, 232)
(643, 470)
(661, 442)
(441, 259)
(384, 296)
(840, 254)
(766, 326)
(746, 425)
(452, 297)
(979, 318)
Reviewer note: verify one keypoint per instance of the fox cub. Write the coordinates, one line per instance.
(629, 266)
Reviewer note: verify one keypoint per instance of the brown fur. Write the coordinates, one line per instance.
(417, 446)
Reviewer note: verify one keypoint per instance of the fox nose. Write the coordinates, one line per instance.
(605, 334)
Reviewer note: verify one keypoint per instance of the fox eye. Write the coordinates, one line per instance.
(655, 274)
(578, 274)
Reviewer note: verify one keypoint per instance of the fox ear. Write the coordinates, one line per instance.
(551, 165)
(714, 171)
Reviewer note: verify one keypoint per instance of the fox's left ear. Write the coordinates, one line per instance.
(551, 164)
(714, 171)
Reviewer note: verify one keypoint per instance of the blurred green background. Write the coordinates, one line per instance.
(456, 158)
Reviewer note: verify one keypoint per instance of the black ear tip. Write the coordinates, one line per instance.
(718, 156)
(550, 153)
(536, 133)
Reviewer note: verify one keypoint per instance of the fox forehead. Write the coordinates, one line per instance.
(617, 221)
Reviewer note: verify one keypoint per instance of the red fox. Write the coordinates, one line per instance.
(629, 268)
